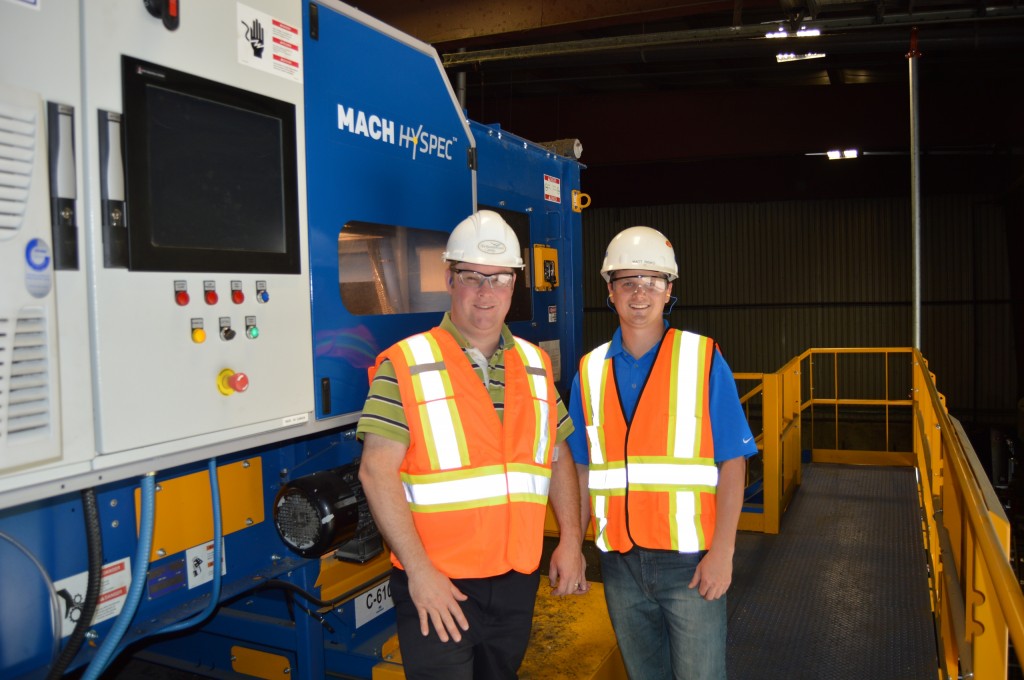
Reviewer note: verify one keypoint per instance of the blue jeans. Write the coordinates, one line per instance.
(664, 629)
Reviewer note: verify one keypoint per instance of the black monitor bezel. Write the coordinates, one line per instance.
(143, 255)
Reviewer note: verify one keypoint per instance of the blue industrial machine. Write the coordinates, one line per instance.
(538, 193)
(207, 234)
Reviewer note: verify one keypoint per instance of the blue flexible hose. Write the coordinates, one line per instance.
(140, 569)
(218, 545)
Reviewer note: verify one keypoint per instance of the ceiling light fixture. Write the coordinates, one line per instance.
(783, 57)
(804, 32)
(845, 154)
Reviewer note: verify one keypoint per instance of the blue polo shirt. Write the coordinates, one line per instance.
(729, 428)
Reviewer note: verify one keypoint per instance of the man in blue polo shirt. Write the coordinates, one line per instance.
(661, 443)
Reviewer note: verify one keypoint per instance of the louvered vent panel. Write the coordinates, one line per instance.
(5, 362)
(17, 148)
(28, 393)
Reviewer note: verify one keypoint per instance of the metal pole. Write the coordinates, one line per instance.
(460, 85)
(915, 192)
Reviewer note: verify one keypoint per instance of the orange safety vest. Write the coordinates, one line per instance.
(652, 480)
(477, 485)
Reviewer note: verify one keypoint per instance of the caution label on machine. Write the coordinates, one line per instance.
(116, 579)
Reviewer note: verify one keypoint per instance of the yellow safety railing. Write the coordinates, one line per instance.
(779, 443)
(977, 603)
(976, 598)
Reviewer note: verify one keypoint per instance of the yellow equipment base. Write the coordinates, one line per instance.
(572, 639)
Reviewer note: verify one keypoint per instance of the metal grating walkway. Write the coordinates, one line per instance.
(842, 591)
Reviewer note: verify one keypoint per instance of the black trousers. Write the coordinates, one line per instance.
(500, 615)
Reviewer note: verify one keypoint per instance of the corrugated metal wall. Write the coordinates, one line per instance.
(769, 280)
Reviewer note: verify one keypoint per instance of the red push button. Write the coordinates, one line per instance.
(237, 296)
(211, 297)
(229, 382)
(181, 297)
(239, 382)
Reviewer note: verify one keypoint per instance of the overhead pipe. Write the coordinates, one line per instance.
(915, 192)
(706, 37)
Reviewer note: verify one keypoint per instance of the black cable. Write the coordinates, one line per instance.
(285, 585)
(94, 543)
(289, 598)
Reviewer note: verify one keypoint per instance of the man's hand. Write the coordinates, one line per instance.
(436, 598)
(567, 572)
(437, 601)
(713, 575)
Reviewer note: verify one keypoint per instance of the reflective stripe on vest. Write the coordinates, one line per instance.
(446, 439)
(476, 487)
(653, 473)
(594, 373)
(680, 472)
(537, 379)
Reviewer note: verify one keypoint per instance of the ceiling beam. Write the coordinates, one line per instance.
(751, 34)
(462, 21)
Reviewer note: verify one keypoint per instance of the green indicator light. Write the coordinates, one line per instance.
(253, 332)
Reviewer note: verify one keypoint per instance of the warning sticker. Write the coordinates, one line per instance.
(552, 189)
(553, 348)
(116, 579)
(269, 44)
(199, 562)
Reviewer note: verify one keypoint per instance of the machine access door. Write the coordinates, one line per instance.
(389, 175)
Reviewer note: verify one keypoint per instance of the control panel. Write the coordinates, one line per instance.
(200, 296)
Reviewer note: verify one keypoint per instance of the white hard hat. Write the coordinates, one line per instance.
(484, 238)
(640, 248)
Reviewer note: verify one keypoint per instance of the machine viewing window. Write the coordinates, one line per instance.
(384, 269)
(211, 182)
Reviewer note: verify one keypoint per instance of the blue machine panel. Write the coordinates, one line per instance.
(387, 145)
(388, 176)
(533, 189)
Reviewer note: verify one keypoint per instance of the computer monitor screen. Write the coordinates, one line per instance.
(211, 181)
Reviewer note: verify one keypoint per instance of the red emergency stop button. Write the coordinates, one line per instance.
(229, 382)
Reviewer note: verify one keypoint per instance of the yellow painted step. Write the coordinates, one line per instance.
(572, 639)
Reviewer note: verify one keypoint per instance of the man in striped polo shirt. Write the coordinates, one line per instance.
(461, 437)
